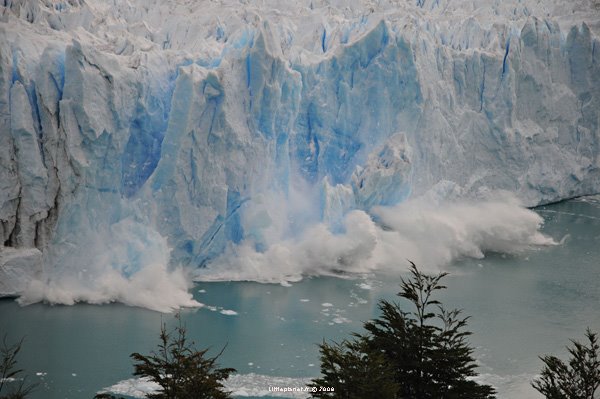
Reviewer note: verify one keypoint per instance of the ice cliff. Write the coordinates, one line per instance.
(135, 129)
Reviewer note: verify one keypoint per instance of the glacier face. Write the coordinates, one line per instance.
(124, 123)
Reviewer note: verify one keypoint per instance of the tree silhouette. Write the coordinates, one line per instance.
(579, 379)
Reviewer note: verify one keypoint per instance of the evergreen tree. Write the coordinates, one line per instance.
(428, 346)
(351, 371)
(182, 371)
(579, 379)
(421, 354)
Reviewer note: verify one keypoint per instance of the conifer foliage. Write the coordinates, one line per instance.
(352, 371)
(412, 355)
(579, 379)
(182, 371)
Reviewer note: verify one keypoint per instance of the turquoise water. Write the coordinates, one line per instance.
(521, 307)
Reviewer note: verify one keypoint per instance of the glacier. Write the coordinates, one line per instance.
(141, 139)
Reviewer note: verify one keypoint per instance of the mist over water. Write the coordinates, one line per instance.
(126, 262)
(287, 238)
(431, 234)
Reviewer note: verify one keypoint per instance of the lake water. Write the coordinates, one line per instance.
(521, 307)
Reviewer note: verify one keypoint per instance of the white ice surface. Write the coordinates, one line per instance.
(254, 125)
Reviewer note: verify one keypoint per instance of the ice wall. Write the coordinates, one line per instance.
(224, 122)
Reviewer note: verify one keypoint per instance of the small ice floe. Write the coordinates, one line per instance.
(202, 291)
(341, 320)
(304, 300)
(359, 300)
(257, 385)
(74, 374)
(364, 286)
(41, 374)
(134, 387)
(326, 305)
(228, 312)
